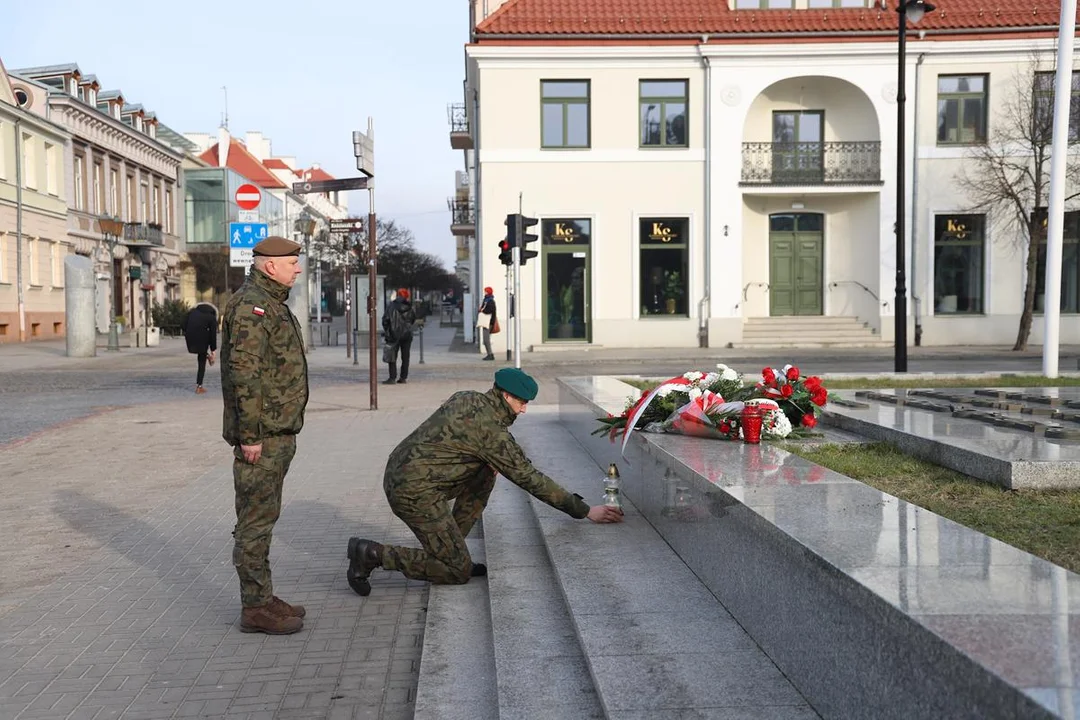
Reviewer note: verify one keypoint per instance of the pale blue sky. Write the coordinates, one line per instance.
(306, 74)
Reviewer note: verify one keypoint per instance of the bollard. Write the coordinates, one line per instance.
(356, 348)
(421, 344)
(79, 296)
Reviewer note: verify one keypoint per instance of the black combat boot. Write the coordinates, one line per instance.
(364, 556)
(478, 570)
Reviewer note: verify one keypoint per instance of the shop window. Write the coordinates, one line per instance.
(959, 252)
(1070, 264)
(662, 246)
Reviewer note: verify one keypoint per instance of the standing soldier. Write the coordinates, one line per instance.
(265, 387)
(454, 455)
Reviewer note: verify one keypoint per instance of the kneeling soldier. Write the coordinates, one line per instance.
(454, 455)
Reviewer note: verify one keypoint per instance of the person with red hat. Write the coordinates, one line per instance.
(397, 327)
(487, 323)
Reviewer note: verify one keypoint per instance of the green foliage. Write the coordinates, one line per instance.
(170, 314)
(674, 288)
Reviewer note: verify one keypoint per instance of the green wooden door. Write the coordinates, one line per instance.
(796, 249)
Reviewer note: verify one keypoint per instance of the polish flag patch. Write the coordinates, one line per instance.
(258, 311)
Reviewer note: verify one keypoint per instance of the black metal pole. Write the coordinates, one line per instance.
(900, 306)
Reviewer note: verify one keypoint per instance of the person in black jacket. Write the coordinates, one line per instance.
(397, 327)
(485, 321)
(200, 332)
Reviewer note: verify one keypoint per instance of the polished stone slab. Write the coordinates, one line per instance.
(656, 640)
(871, 606)
(1015, 450)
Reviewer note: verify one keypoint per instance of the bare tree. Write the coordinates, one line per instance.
(1009, 176)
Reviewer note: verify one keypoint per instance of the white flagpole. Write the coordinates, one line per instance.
(1056, 209)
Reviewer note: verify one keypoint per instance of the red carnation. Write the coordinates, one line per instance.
(787, 391)
(768, 376)
(818, 396)
(793, 373)
(812, 382)
(808, 420)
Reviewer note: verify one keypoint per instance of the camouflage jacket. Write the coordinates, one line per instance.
(469, 432)
(264, 379)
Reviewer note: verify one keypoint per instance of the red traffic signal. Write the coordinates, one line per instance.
(506, 252)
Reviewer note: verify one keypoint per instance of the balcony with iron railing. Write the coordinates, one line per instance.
(462, 216)
(143, 234)
(460, 136)
(849, 163)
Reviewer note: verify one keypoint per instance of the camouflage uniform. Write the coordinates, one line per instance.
(454, 455)
(265, 389)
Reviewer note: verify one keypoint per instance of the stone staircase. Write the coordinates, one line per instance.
(808, 331)
(577, 620)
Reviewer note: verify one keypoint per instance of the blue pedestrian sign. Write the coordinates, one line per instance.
(242, 240)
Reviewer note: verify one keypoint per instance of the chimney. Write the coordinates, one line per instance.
(223, 147)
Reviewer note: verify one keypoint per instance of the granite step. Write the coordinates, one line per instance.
(540, 668)
(457, 668)
(657, 642)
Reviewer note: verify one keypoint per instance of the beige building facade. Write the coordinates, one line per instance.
(33, 220)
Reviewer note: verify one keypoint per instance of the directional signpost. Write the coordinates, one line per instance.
(242, 240)
(322, 186)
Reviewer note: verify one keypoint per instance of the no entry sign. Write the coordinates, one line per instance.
(248, 196)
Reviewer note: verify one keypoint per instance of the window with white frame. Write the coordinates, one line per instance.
(114, 192)
(168, 209)
(29, 162)
(959, 262)
(80, 179)
(50, 174)
(99, 188)
(144, 202)
(132, 208)
(31, 261)
(155, 208)
(3, 155)
(3, 259)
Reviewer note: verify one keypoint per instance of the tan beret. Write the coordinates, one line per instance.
(275, 246)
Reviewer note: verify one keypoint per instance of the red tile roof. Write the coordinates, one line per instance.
(276, 164)
(244, 163)
(686, 17)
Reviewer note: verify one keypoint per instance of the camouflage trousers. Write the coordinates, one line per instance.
(444, 558)
(258, 504)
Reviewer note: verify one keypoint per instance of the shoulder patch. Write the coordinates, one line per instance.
(258, 310)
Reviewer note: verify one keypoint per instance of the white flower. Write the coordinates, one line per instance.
(729, 374)
(709, 379)
(777, 424)
(694, 393)
(694, 376)
(665, 390)
(722, 367)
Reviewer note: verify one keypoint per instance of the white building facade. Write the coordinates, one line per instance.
(693, 188)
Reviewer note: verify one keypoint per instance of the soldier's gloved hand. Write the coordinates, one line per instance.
(605, 514)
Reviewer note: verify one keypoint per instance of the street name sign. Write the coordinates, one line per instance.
(347, 226)
(242, 240)
(320, 186)
(248, 196)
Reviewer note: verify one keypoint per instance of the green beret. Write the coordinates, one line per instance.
(517, 383)
(275, 246)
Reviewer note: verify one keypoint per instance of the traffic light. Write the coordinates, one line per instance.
(506, 252)
(524, 237)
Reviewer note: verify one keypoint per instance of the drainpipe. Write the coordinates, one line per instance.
(914, 224)
(704, 303)
(475, 281)
(18, 230)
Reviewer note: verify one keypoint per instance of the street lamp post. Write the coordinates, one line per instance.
(111, 230)
(912, 10)
(305, 226)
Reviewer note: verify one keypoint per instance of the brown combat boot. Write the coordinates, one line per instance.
(200, 390)
(281, 607)
(263, 619)
(364, 556)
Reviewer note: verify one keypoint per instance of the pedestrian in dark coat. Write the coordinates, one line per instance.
(397, 328)
(200, 333)
(454, 456)
(486, 321)
(264, 385)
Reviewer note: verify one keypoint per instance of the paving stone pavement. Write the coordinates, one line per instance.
(145, 626)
